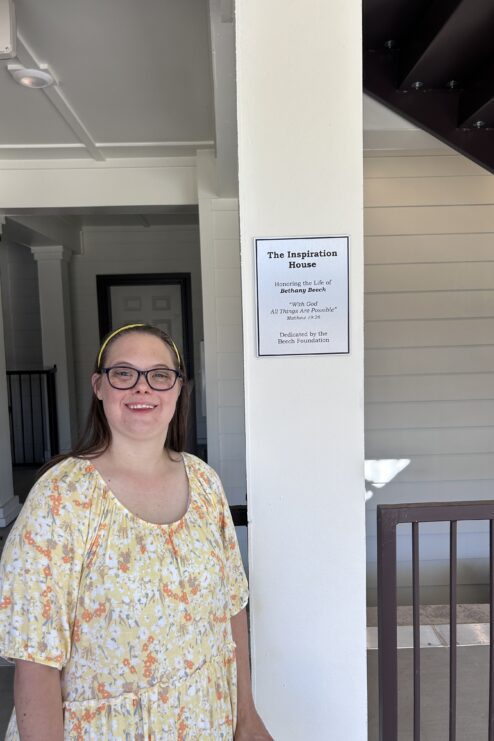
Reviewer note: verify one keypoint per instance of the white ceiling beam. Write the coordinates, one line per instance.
(225, 94)
(60, 102)
(38, 229)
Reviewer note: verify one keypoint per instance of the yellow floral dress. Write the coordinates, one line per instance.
(135, 615)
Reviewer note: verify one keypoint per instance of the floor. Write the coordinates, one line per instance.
(473, 667)
(472, 694)
(472, 673)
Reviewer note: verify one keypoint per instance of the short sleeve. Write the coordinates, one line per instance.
(238, 591)
(40, 572)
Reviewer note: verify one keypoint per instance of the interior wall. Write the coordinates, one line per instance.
(429, 354)
(113, 250)
(20, 302)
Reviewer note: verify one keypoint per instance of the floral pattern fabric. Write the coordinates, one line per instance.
(135, 615)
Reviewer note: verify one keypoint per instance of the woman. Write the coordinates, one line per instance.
(122, 594)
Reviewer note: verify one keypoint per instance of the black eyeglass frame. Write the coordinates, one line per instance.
(140, 373)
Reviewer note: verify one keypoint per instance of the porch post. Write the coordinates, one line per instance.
(56, 332)
(299, 93)
(9, 504)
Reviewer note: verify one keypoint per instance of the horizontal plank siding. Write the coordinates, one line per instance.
(435, 441)
(437, 387)
(429, 353)
(430, 220)
(429, 333)
(439, 276)
(419, 248)
(429, 191)
(420, 166)
(474, 304)
(437, 414)
(474, 359)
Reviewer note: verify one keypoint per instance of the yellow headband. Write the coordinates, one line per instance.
(130, 326)
(176, 353)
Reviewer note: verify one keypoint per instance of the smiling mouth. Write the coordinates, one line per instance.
(141, 406)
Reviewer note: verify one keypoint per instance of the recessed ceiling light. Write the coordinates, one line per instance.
(35, 78)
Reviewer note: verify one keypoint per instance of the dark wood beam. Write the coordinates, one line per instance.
(477, 101)
(452, 39)
(385, 21)
(435, 112)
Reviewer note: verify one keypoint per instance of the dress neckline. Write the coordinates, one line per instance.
(131, 515)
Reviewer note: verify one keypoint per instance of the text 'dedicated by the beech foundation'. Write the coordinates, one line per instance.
(302, 296)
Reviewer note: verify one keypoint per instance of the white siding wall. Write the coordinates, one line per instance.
(220, 259)
(20, 299)
(220, 256)
(173, 249)
(228, 320)
(429, 310)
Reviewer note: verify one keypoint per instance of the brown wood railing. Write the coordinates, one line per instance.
(388, 517)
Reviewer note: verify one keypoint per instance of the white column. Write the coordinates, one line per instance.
(300, 174)
(56, 331)
(9, 504)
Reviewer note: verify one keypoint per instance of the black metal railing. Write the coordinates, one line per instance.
(388, 518)
(239, 515)
(32, 416)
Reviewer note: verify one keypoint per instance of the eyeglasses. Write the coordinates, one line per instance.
(159, 379)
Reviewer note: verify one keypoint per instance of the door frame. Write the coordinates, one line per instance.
(104, 284)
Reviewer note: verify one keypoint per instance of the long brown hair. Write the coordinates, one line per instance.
(96, 435)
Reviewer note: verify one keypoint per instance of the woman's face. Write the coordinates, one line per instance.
(140, 413)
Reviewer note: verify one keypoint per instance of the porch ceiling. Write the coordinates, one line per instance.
(134, 79)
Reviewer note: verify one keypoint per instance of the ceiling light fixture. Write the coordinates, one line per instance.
(34, 78)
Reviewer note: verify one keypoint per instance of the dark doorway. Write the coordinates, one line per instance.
(160, 299)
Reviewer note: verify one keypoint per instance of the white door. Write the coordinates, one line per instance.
(159, 305)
